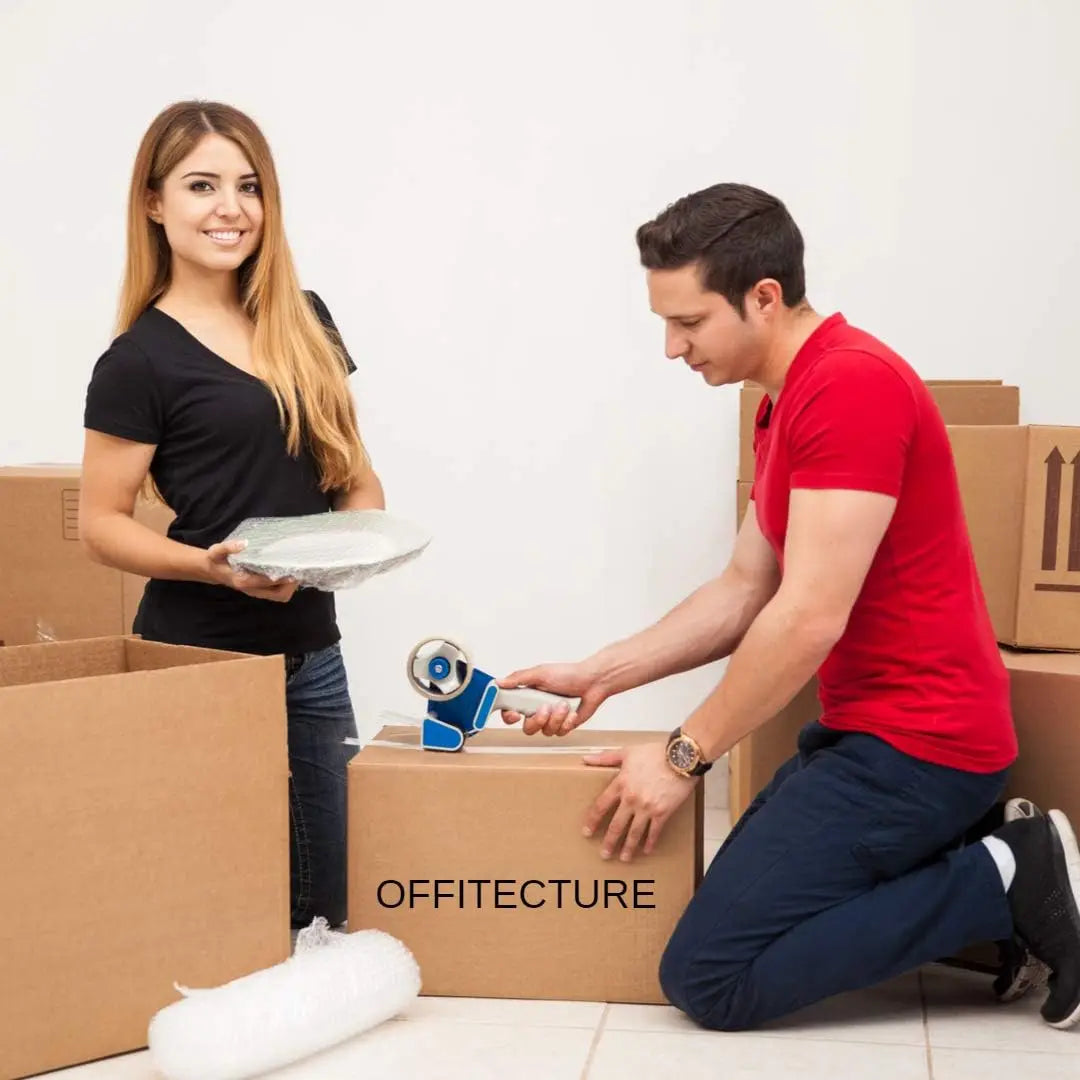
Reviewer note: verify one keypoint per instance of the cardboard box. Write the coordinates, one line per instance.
(1045, 690)
(477, 862)
(1045, 693)
(50, 589)
(971, 401)
(742, 500)
(1021, 492)
(753, 762)
(143, 835)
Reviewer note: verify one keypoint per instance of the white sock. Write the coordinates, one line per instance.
(1002, 854)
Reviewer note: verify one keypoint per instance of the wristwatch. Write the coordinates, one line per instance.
(685, 756)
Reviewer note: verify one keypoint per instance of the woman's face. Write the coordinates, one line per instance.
(211, 207)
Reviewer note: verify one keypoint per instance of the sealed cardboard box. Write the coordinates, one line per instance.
(1045, 693)
(143, 835)
(1045, 689)
(50, 589)
(1021, 493)
(972, 401)
(477, 862)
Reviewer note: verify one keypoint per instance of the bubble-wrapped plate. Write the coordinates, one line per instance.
(336, 550)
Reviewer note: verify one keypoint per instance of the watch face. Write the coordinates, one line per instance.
(682, 754)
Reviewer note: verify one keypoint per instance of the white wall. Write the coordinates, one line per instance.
(462, 185)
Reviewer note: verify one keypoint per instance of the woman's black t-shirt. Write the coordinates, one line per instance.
(221, 457)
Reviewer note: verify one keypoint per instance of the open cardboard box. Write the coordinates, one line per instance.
(143, 835)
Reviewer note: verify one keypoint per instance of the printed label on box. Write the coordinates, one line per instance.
(69, 512)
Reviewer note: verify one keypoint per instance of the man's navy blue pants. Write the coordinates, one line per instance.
(847, 870)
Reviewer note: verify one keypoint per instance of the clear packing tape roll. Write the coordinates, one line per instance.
(408, 738)
(331, 551)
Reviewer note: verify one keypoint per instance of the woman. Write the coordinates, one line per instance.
(225, 390)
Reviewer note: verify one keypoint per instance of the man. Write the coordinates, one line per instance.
(854, 562)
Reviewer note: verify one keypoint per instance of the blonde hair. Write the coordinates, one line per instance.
(295, 354)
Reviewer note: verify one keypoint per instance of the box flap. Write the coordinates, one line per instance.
(61, 661)
(91, 658)
(154, 655)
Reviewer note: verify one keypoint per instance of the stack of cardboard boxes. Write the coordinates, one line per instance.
(1020, 487)
(144, 823)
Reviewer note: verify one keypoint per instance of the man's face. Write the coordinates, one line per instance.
(702, 328)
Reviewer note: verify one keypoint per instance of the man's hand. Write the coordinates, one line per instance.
(568, 680)
(644, 795)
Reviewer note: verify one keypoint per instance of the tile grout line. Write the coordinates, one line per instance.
(1030, 1051)
(595, 1042)
(926, 1027)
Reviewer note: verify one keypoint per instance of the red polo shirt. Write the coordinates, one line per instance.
(918, 665)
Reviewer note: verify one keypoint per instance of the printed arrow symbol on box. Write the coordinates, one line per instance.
(1054, 462)
(1074, 517)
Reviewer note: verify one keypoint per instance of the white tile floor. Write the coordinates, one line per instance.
(936, 1024)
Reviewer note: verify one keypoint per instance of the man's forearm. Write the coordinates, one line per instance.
(776, 658)
(705, 627)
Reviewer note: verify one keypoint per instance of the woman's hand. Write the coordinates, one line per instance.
(219, 572)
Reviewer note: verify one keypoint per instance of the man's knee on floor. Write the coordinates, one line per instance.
(673, 967)
(709, 1002)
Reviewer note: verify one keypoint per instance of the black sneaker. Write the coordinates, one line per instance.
(1015, 809)
(1020, 971)
(1045, 902)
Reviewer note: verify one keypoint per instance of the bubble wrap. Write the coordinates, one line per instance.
(334, 987)
(337, 550)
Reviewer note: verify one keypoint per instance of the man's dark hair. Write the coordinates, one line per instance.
(738, 234)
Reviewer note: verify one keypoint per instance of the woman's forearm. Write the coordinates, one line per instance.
(119, 541)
